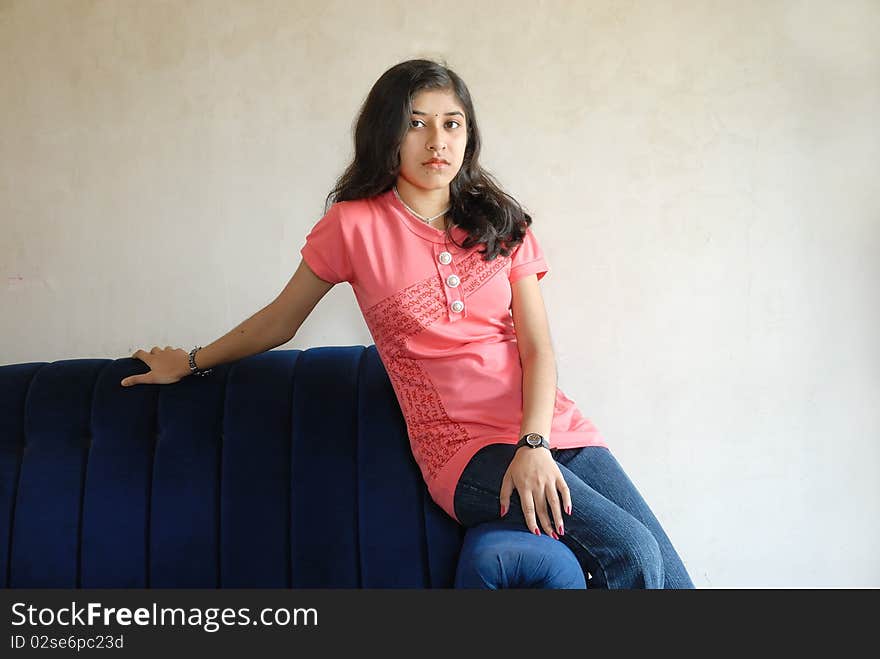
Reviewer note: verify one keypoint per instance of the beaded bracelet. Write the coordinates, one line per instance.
(194, 370)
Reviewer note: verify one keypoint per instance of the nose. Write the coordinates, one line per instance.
(435, 142)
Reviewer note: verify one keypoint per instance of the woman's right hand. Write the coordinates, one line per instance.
(538, 482)
(167, 366)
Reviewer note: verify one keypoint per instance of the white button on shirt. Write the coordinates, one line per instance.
(457, 306)
(445, 258)
(452, 281)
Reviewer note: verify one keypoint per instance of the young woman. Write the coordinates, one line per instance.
(445, 269)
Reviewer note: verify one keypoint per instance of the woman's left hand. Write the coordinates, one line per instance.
(538, 480)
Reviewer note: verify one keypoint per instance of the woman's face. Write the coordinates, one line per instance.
(437, 128)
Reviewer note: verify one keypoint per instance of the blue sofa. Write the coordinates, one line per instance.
(288, 469)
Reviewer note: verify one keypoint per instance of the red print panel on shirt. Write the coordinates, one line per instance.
(434, 436)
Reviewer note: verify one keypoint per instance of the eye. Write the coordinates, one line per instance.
(451, 121)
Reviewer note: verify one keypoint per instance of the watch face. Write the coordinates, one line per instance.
(533, 439)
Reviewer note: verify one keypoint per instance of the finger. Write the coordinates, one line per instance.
(555, 510)
(127, 382)
(154, 350)
(528, 506)
(506, 491)
(167, 347)
(562, 486)
(542, 512)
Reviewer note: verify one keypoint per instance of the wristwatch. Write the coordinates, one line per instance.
(533, 440)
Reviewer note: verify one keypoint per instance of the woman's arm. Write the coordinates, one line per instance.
(533, 472)
(302, 293)
(272, 326)
(536, 355)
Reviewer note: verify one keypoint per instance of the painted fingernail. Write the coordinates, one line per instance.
(561, 530)
(537, 532)
(555, 537)
(568, 510)
(502, 510)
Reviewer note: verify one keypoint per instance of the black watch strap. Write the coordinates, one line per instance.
(533, 440)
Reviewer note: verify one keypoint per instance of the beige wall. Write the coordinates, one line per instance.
(702, 175)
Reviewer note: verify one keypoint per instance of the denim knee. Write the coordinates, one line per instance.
(643, 559)
(495, 555)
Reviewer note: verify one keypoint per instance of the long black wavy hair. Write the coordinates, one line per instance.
(478, 204)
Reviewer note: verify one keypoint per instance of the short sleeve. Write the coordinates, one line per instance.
(326, 250)
(527, 258)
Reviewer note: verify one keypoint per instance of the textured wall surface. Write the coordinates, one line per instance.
(702, 176)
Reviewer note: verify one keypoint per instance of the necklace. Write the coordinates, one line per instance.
(426, 220)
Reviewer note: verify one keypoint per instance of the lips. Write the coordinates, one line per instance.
(436, 161)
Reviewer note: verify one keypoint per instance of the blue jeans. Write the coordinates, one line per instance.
(611, 530)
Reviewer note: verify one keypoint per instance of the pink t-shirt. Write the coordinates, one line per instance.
(441, 321)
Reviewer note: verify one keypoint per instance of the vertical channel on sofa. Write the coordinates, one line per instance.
(324, 499)
(15, 383)
(45, 538)
(183, 526)
(254, 488)
(394, 544)
(117, 481)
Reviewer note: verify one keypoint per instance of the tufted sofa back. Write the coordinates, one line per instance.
(288, 469)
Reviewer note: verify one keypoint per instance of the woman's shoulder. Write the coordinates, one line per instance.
(361, 204)
(356, 211)
(361, 217)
